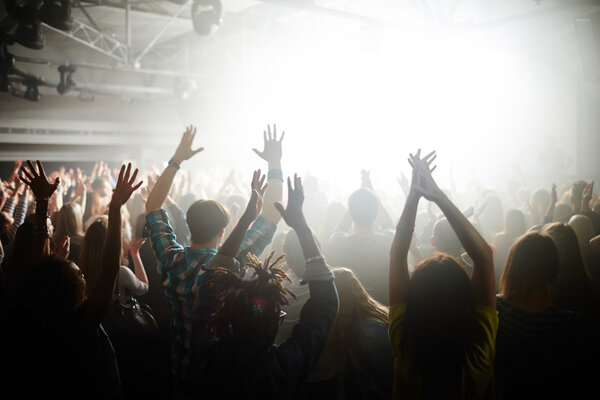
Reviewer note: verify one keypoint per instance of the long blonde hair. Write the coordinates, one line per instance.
(90, 259)
(69, 222)
(356, 305)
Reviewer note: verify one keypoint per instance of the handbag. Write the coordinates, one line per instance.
(129, 318)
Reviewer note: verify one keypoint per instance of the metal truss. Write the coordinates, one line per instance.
(96, 40)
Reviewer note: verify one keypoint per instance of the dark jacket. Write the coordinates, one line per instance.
(227, 368)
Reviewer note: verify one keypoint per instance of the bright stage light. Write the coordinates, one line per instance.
(349, 103)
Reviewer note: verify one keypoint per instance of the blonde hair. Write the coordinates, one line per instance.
(69, 221)
(355, 306)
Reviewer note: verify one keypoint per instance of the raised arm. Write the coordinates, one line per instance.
(300, 352)
(98, 302)
(294, 217)
(272, 155)
(138, 265)
(42, 190)
(482, 280)
(184, 152)
(586, 197)
(230, 247)
(399, 275)
(549, 217)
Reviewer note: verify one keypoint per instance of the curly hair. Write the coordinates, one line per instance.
(250, 310)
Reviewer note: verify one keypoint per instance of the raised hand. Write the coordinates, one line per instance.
(554, 194)
(63, 247)
(255, 203)
(184, 150)
(272, 147)
(292, 214)
(38, 181)
(136, 244)
(423, 183)
(124, 188)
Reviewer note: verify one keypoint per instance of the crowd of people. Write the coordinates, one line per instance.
(118, 286)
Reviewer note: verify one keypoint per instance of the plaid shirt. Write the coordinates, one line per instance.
(181, 268)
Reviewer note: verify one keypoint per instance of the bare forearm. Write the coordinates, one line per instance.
(138, 267)
(233, 242)
(405, 229)
(398, 275)
(473, 243)
(161, 189)
(307, 241)
(273, 194)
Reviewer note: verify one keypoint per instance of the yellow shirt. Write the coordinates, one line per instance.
(477, 376)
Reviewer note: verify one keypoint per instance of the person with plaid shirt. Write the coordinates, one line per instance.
(181, 267)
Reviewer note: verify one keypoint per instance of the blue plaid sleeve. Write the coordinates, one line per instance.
(162, 237)
(256, 239)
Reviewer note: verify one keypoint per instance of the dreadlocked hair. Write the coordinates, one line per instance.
(249, 310)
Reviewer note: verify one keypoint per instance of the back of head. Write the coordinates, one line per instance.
(532, 264)
(294, 256)
(363, 205)
(69, 222)
(573, 288)
(540, 199)
(514, 222)
(90, 258)
(52, 290)
(440, 321)
(22, 254)
(206, 218)
(356, 303)
(584, 230)
(355, 306)
(571, 262)
(445, 240)
(250, 310)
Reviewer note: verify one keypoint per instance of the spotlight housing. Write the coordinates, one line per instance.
(57, 14)
(207, 15)
(66, 79)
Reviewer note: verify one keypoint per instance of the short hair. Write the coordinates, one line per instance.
(363, 205)
(446, 240)
(206, 218)
(532, 264)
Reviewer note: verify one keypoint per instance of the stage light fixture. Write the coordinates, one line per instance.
(66, 79)
(29, 31)
(7, 64)
(32, 92)
(207, 15)
(57, 14)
